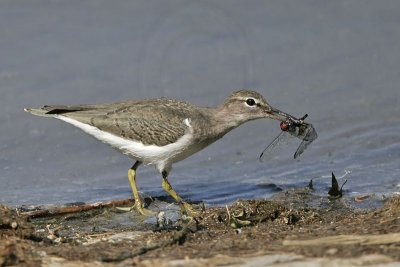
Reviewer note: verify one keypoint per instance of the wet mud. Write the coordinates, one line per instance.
(294, 222)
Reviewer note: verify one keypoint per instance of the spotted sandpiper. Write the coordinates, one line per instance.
(162, 131)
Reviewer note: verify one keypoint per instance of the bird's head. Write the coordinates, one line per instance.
(246, 105)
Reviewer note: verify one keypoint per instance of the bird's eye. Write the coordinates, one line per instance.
(250, 101)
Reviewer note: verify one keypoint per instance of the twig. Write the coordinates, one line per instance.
(178, 238)
(227, 211)
(75, 208)
(392, 238)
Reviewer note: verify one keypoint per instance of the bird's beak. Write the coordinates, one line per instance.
(276, 114)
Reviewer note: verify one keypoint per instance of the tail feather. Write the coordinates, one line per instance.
(50, 111)
(38, 112)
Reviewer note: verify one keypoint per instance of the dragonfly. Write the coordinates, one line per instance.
(291, 128)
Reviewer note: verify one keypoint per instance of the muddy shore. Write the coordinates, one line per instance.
(295, 227)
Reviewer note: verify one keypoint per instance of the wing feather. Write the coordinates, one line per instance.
(152, 122)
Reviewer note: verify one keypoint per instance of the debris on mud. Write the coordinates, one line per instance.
(294, 222)
(12, 223)
(334, 192)
(311, 185)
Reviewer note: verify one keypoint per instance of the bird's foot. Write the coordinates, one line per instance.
(139, 207)
(188, 209)
(144, 211)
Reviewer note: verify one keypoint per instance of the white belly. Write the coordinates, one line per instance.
(160, 156)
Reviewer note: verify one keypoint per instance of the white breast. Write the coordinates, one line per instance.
(160, 156)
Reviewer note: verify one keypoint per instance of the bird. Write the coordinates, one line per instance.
(162, 131)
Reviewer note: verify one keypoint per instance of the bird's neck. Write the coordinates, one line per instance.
(223, 121)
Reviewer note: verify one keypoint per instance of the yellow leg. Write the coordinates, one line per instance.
(139, 205)
(185, 207)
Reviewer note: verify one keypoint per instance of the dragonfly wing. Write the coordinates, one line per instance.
(309, 137)
(280, 140)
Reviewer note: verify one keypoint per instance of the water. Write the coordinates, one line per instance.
(338, 61)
